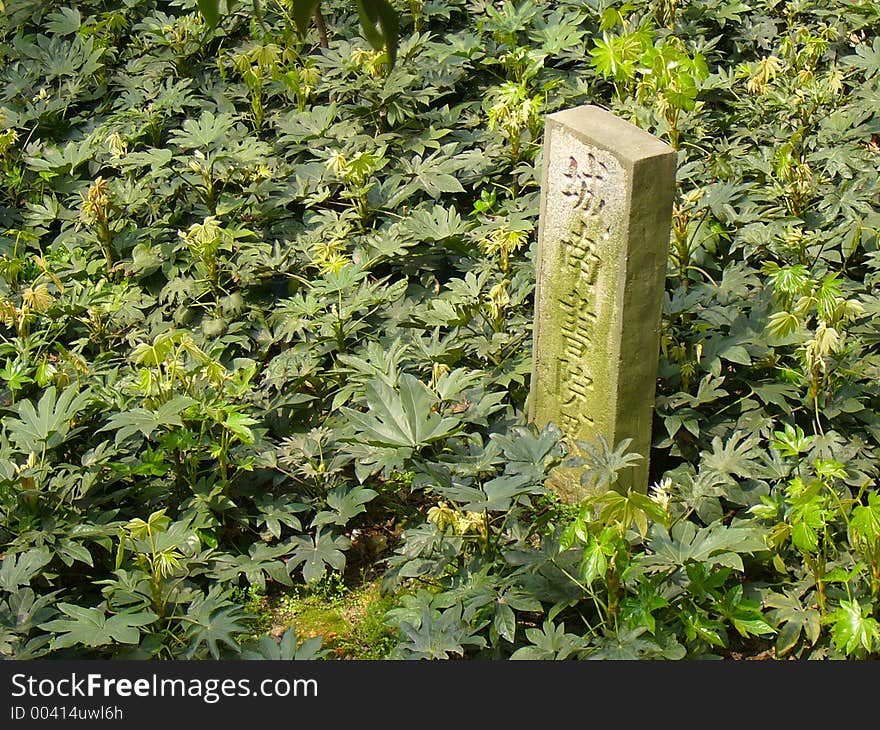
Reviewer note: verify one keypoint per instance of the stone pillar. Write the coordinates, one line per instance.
(606, 206)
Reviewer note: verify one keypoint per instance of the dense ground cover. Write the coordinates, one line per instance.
(266, 314)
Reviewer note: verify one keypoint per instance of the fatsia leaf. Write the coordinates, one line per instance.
(452, 384)
(626, 645)
(50, 422)
(25, 611)
(317, 553)
(738, 457)
(204, 131)
(288, 649)
(146, 421)
(261, 560)
(346, 504)
(549, 642)
(866, 58)
(401, 418)
(716, 544)
(18, 570)
(66, 21)
(213, 620)
(792, 619)
(500, 491)
(372, 459)
(277, 511)
(602, 463)
(438, 635)
(93, 627)
(530, 453)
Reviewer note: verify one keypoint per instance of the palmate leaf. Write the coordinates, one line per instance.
(288, 649)
(66, 21)
(18, 570)
(19, 616)
(146, 421)
(370, 459)
(438, 635)
(712, 545)
(346, 504)
(853, 628)
(615, 56)
(213, 620)
(261, 561)
(433, 174)
(632, 508)
(435, 223)
(50, 422)
(866, 58)
(93, 627)
(549, 642)
(276, 511)
(627, 645)
(203, 132)
(702, 492)
(318, 553)
(792, 619)
(530, 453)
(738, 457)
(402, 417)
(496, 494)
(603, 464)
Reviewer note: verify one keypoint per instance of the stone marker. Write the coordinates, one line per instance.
(606, 209)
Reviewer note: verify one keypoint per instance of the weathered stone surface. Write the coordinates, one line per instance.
(603, 240)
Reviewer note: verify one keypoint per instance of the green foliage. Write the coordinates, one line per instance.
(289, 648)
(266, 306)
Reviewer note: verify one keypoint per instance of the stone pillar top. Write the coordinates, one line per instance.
(600, 128)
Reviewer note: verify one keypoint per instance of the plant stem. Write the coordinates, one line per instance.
(322, 28)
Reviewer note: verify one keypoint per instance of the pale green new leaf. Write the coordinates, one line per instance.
(853, 628)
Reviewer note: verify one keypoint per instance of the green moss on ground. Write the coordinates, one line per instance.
(350, 619)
